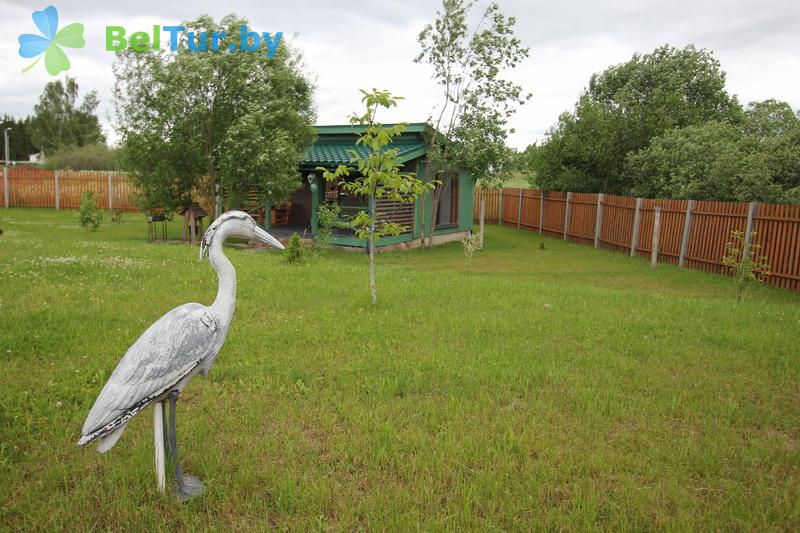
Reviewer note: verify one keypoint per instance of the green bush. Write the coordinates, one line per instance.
(89, 157)
(294, 252)
(328, 216)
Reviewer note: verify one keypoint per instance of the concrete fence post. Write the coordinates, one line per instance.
(481, 216)
(519, 210)
(58, 190)
(500, 208)
(567, 214)
(656, 237)
(687, 229)
(5, 185)
(748, 232)
(637, 220)
(598, 220)
(541, 211)
(111, 193)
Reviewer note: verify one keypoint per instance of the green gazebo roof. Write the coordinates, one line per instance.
(334, 143)
(333, 154)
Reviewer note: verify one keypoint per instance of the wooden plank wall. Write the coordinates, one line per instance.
(776, 227)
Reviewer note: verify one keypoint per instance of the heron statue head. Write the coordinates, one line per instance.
(235, 224)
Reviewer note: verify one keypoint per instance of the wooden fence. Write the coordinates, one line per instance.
(689, 233)
(62, 189)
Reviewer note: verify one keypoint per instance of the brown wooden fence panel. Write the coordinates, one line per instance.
(492, 214)
(530, 209)
(673, 214)
(712, 223)
(31, 187)
(125, 194)
(74, 183)
(583, 214)
(777, 230)
(511, 201)
(35, 187)
(555, 205)
(616, 229)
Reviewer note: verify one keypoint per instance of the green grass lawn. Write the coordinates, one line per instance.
(565, 388)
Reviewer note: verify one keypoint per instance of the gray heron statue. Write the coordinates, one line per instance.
(178, 346)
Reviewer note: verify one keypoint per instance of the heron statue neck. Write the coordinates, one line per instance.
(226, 293)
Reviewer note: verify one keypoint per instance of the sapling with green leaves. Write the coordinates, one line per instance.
(472, 242)
(745, 261)
(377, 175)
(328, 216)
(89, 216)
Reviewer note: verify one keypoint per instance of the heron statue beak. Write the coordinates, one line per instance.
(266, 238)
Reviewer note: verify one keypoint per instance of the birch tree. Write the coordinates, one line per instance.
(469, 54)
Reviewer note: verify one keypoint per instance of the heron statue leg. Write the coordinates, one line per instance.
(188, 487)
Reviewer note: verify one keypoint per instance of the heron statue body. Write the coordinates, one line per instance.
(178, 346)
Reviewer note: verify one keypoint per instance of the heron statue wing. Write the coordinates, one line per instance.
(170, 349)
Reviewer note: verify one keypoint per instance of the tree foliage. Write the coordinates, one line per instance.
(757, 160)
(624, 108)
(469, 129)
(59, 121)
(192, 122)
(19, 140)
(87, 157)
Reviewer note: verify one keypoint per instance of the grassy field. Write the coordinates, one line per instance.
(565, 388)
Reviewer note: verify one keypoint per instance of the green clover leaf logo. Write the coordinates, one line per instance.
(50, 42)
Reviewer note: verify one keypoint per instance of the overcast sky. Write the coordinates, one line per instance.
(349, 45)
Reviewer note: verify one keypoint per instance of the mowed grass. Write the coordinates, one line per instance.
(565, 388)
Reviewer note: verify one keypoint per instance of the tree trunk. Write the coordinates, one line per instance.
(434, 212)
(482, 216)
(372, 212)
(423, 199)
(372, 288)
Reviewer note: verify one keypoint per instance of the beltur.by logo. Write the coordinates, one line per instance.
(196, 41)
(50, 41)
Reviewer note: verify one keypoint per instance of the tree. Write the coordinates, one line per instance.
(580, 153)
(192, 123)
(624, 108)
(469, 129)
(378, 175)
(713, 161)
(776, 127)
(19, 144)
(769, 119)
(757, 160)
(59, 121)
